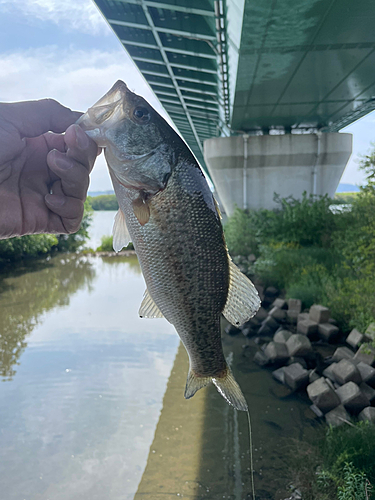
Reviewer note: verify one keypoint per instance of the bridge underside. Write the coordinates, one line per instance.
(174, 45)
(307, 64)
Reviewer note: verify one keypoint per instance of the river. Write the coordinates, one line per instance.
(82, 414)
(83, 379)
(101, 225)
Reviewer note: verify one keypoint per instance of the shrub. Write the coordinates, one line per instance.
(306, 222)
(17, 248)
(73, 242)
(240, 233)
(106, 244)
(351, 300)
(301, 223)
(309, 286)
(354, 484)
(338, 465)
(34, 245)
(104, 202)
(285, 264)
(350, 444)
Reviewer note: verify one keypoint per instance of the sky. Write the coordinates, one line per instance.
(65, 50)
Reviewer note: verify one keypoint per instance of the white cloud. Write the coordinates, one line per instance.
(363, 136)
(81, 15)
(76, 78)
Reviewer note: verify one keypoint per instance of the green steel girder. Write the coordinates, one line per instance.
(302, 64)
(174, 44)
(160, 29)
(176, 8)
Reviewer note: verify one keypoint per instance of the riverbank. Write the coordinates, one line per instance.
(314, 255)
(123, 253)
(201, 445)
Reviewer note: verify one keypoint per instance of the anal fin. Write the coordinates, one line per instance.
(148, 307)
(243, 300)
(121, 236)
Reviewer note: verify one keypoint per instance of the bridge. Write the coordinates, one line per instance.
(257, 88)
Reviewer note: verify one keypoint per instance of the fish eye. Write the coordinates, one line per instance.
(141, 114)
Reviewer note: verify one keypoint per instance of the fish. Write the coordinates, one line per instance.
(168, 211)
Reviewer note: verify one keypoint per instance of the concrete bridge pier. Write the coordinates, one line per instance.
(248, 170)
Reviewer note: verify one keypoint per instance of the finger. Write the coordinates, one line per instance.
(70, 210)
(55, 141)
(33, 118)
(74, 176)
(80, 146)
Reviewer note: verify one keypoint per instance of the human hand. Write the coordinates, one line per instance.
(44, 175)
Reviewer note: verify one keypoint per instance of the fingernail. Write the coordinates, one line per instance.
(63, 162)
(55, 200)
(81, 138)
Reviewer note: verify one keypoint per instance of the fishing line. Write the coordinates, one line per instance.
(251, 455)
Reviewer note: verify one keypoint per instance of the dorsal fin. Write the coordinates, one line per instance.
(243, 299)
(217, 208)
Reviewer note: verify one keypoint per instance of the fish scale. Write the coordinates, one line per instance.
(168, 211)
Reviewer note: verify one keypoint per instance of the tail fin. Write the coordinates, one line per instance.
(226, 385)
(230, 390)
(194, 383)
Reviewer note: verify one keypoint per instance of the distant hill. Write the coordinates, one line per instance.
(100, 193)
(347, 188)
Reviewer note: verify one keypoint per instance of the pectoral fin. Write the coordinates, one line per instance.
(141, 210)
(121, 236)
(148, 307)
(243, 299)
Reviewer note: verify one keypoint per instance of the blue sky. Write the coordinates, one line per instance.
(65, 50)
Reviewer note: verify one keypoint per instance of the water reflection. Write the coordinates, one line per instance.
(131, 260)
(29, 292)
(78, 417)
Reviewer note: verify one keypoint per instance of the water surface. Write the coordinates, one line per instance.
(91, 398)
(101, 225)
(83, 379)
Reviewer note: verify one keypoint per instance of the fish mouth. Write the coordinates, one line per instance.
(92, 123)
(115, 94)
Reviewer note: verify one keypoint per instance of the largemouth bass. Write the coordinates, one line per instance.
(169, 213)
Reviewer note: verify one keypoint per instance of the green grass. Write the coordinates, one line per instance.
(106, 245)
(340, 465)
